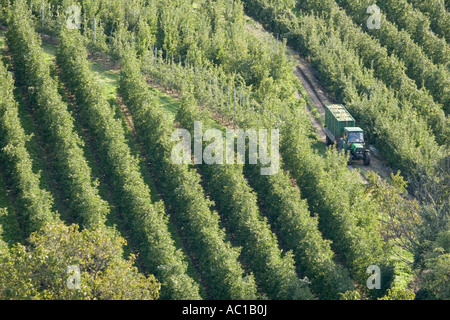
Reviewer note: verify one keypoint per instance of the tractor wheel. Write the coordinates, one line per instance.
(366, 158)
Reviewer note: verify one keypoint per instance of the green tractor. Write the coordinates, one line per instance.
(340, 129)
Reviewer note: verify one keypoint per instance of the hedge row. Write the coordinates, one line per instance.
(387, 68)
(327, 278)
(335, 194)
(419, 67)
(33, 70)
(406, 17)
(148, 222)
(34, 205)
(297, 229)
(237, 203)
(398, 132)
(218, 262)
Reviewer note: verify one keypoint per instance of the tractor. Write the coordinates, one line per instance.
(340, 129)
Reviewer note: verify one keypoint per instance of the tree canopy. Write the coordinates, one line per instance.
(60, 262)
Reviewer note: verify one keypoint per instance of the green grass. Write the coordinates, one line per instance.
(171, 105)
(50, 51)
(109, 78)
(315, 112)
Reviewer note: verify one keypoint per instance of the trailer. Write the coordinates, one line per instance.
(340, 129)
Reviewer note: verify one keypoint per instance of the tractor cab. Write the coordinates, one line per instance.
(353, 135)
(353, 143)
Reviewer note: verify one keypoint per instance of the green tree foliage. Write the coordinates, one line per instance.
(198, 32)
(433, 183)
(435, 199)
(437, 12)
(434, 259)
(399, 294)
(3, 245)
(400, 224)
(147, 220)
(217, 260)
(361, 268)
(382, 77)
(281, 19)
(400, 217)
(406, 17)
(436, 276)
(206, 85)
(8, 218)
(350, 295)
(40, 269)
(4, 11)
(418, 66)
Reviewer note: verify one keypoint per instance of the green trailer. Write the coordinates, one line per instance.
(336, 119)
(340, 129)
